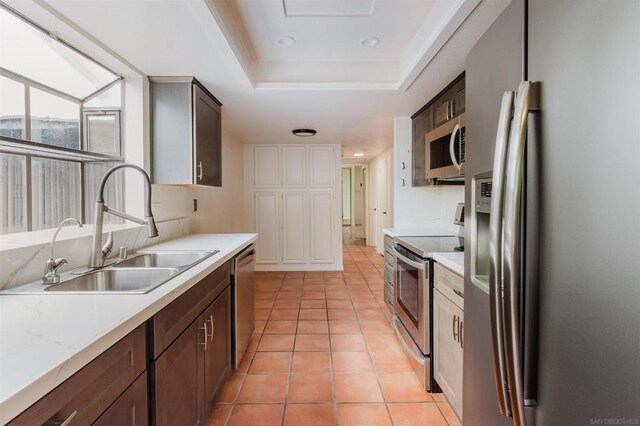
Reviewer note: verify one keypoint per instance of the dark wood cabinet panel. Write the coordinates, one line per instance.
(177, 380)
(186, 132)
(171, 321)
(421, 124)
(208, 138)
(217, 357)
(89, 392)
(130, 409)
(445, 106)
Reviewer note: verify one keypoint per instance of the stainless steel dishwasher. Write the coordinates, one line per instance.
(242, 302)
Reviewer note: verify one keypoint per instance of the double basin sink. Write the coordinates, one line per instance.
(139, 274)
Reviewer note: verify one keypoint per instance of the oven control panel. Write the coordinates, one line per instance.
(483, 195)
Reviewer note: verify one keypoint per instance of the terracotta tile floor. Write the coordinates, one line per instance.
(324, 353)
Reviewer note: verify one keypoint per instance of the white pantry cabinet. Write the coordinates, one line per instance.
(294, 215)
(291, 202)
(293, 170)
(321, 241)
(267, 206)
(266, 167)
(448, 325)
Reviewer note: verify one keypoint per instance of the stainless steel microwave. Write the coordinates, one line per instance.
(445, 151)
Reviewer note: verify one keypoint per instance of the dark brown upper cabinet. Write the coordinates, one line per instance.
(447, 105)
(186, 132)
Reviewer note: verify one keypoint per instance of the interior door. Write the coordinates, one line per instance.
(381, 193)
(208, 139)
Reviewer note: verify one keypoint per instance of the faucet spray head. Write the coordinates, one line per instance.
(151, 226)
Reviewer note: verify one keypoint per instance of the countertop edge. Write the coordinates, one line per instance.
(26, 396)
(452, 264)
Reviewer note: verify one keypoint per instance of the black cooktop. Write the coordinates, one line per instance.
(425, 247)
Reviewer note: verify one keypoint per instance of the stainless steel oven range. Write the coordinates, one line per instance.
(413, 304)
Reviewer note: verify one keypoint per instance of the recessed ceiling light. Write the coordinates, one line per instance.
(286, 41)
(304, 133)
(370, 41)
(358, 154)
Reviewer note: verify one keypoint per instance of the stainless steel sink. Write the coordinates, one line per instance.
(113, 281)
(143, 272)
(164, 259)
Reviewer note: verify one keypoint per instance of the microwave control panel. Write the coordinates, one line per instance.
(483, 195)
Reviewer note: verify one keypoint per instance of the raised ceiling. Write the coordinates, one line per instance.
(328, 50)
(184, 37)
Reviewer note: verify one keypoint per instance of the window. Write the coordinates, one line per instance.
(59, 129)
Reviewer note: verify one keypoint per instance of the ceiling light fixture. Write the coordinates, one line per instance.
(286, 41)
(358, 154)
(304, 133)
(370, 41)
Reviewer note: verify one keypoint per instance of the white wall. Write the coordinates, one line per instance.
(219, 209)
(424, 208)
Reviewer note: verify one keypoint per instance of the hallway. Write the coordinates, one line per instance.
(324, 353)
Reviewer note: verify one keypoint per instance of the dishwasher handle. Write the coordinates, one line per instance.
(245, 257)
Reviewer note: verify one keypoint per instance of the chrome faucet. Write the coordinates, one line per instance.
(51, 275)
(99, 254)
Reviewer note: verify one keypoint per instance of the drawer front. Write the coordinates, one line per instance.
(130, 409)
(388, 277)
(89, 392)
(388, 244)
(389, 260)
(171, 321)
(388, 297)
(450, 284)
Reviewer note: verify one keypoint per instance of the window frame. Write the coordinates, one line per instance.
(30, 149)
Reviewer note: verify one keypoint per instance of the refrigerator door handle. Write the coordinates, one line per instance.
(513, 249)
(495, 254)
(452, 144)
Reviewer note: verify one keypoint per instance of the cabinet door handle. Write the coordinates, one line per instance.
(453, 108)
(460, 338)
(458, 292)
(69, 419)
(199, 170)
(212, 327)
(455, 327)
(206, 335)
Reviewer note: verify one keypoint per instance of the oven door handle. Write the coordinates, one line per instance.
(418, 357)
(408, 261)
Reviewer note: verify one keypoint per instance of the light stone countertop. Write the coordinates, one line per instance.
(45, 339)
(416, 232)
(453, 261)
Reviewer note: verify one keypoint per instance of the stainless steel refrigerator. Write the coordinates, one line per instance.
(552, 283)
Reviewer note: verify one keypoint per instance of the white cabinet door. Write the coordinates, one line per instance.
(447, 320)
(321, 226)
(321, 166)
(294, 214)
(293, 166)
(267, 227)
(266, 167)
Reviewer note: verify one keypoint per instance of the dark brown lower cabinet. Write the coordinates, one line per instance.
(87, 395)
(188, 375)
(177, 380)
(217, 357)
(190, 359)
(130, 409)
